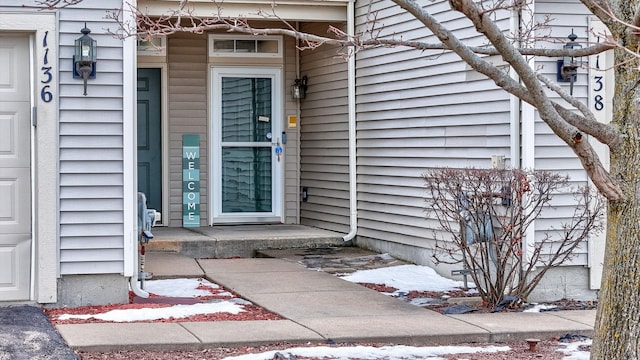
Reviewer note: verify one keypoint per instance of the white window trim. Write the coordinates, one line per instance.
(146, 48)
(215, 206)
(213, 53)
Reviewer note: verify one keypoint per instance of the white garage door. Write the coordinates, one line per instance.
(15, 168)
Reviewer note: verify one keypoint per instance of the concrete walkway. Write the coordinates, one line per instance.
(317, 307)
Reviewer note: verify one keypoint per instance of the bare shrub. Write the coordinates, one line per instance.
(484, 215)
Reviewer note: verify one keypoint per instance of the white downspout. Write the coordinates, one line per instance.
(351, 100)
(130, 158)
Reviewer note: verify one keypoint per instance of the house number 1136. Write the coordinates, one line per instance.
(45, 93)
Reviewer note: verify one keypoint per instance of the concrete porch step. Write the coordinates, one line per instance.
(239, 240)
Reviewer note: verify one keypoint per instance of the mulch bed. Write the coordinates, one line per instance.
(251, 312)
(479, 307)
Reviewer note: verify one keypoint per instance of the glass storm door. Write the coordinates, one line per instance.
(246, 145)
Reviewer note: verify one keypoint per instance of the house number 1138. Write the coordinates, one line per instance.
(45, 93)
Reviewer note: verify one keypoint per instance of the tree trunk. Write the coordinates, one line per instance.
(617, 331)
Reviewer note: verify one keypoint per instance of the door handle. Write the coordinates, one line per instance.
(277, 149)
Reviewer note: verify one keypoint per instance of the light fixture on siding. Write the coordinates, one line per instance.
(299, 88)
(568, 65)
(84, 59)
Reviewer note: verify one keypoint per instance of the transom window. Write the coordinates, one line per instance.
(154, 47)
(245, 45)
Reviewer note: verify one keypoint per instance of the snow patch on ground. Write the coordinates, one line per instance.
(399, 352)
(539, 308)
(573, 350)
(406, 278)
(175, 311)
(182, 288)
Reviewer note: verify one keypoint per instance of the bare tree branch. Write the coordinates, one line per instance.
(597, 8)
(52, 4)
(564, 123)
(631, 27)
(586, 123)
(171, 23)
(489, 50)
(606, 134)
(567, 132)
(456, 45)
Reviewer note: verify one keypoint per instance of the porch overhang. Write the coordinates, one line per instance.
(292, 10)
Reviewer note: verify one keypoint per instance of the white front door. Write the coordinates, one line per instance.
(15, 168)
(247, 150)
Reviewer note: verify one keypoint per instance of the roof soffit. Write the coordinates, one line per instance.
(291, 10)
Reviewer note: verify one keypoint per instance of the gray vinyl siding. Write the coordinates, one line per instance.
(417, 111)
(91, 148)
(551, 153)
(324, 154)
(188, 79)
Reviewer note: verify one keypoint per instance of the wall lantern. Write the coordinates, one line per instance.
(84, 59)
(568, 65)
(299, 88)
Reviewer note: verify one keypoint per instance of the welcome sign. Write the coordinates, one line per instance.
(190, 180)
